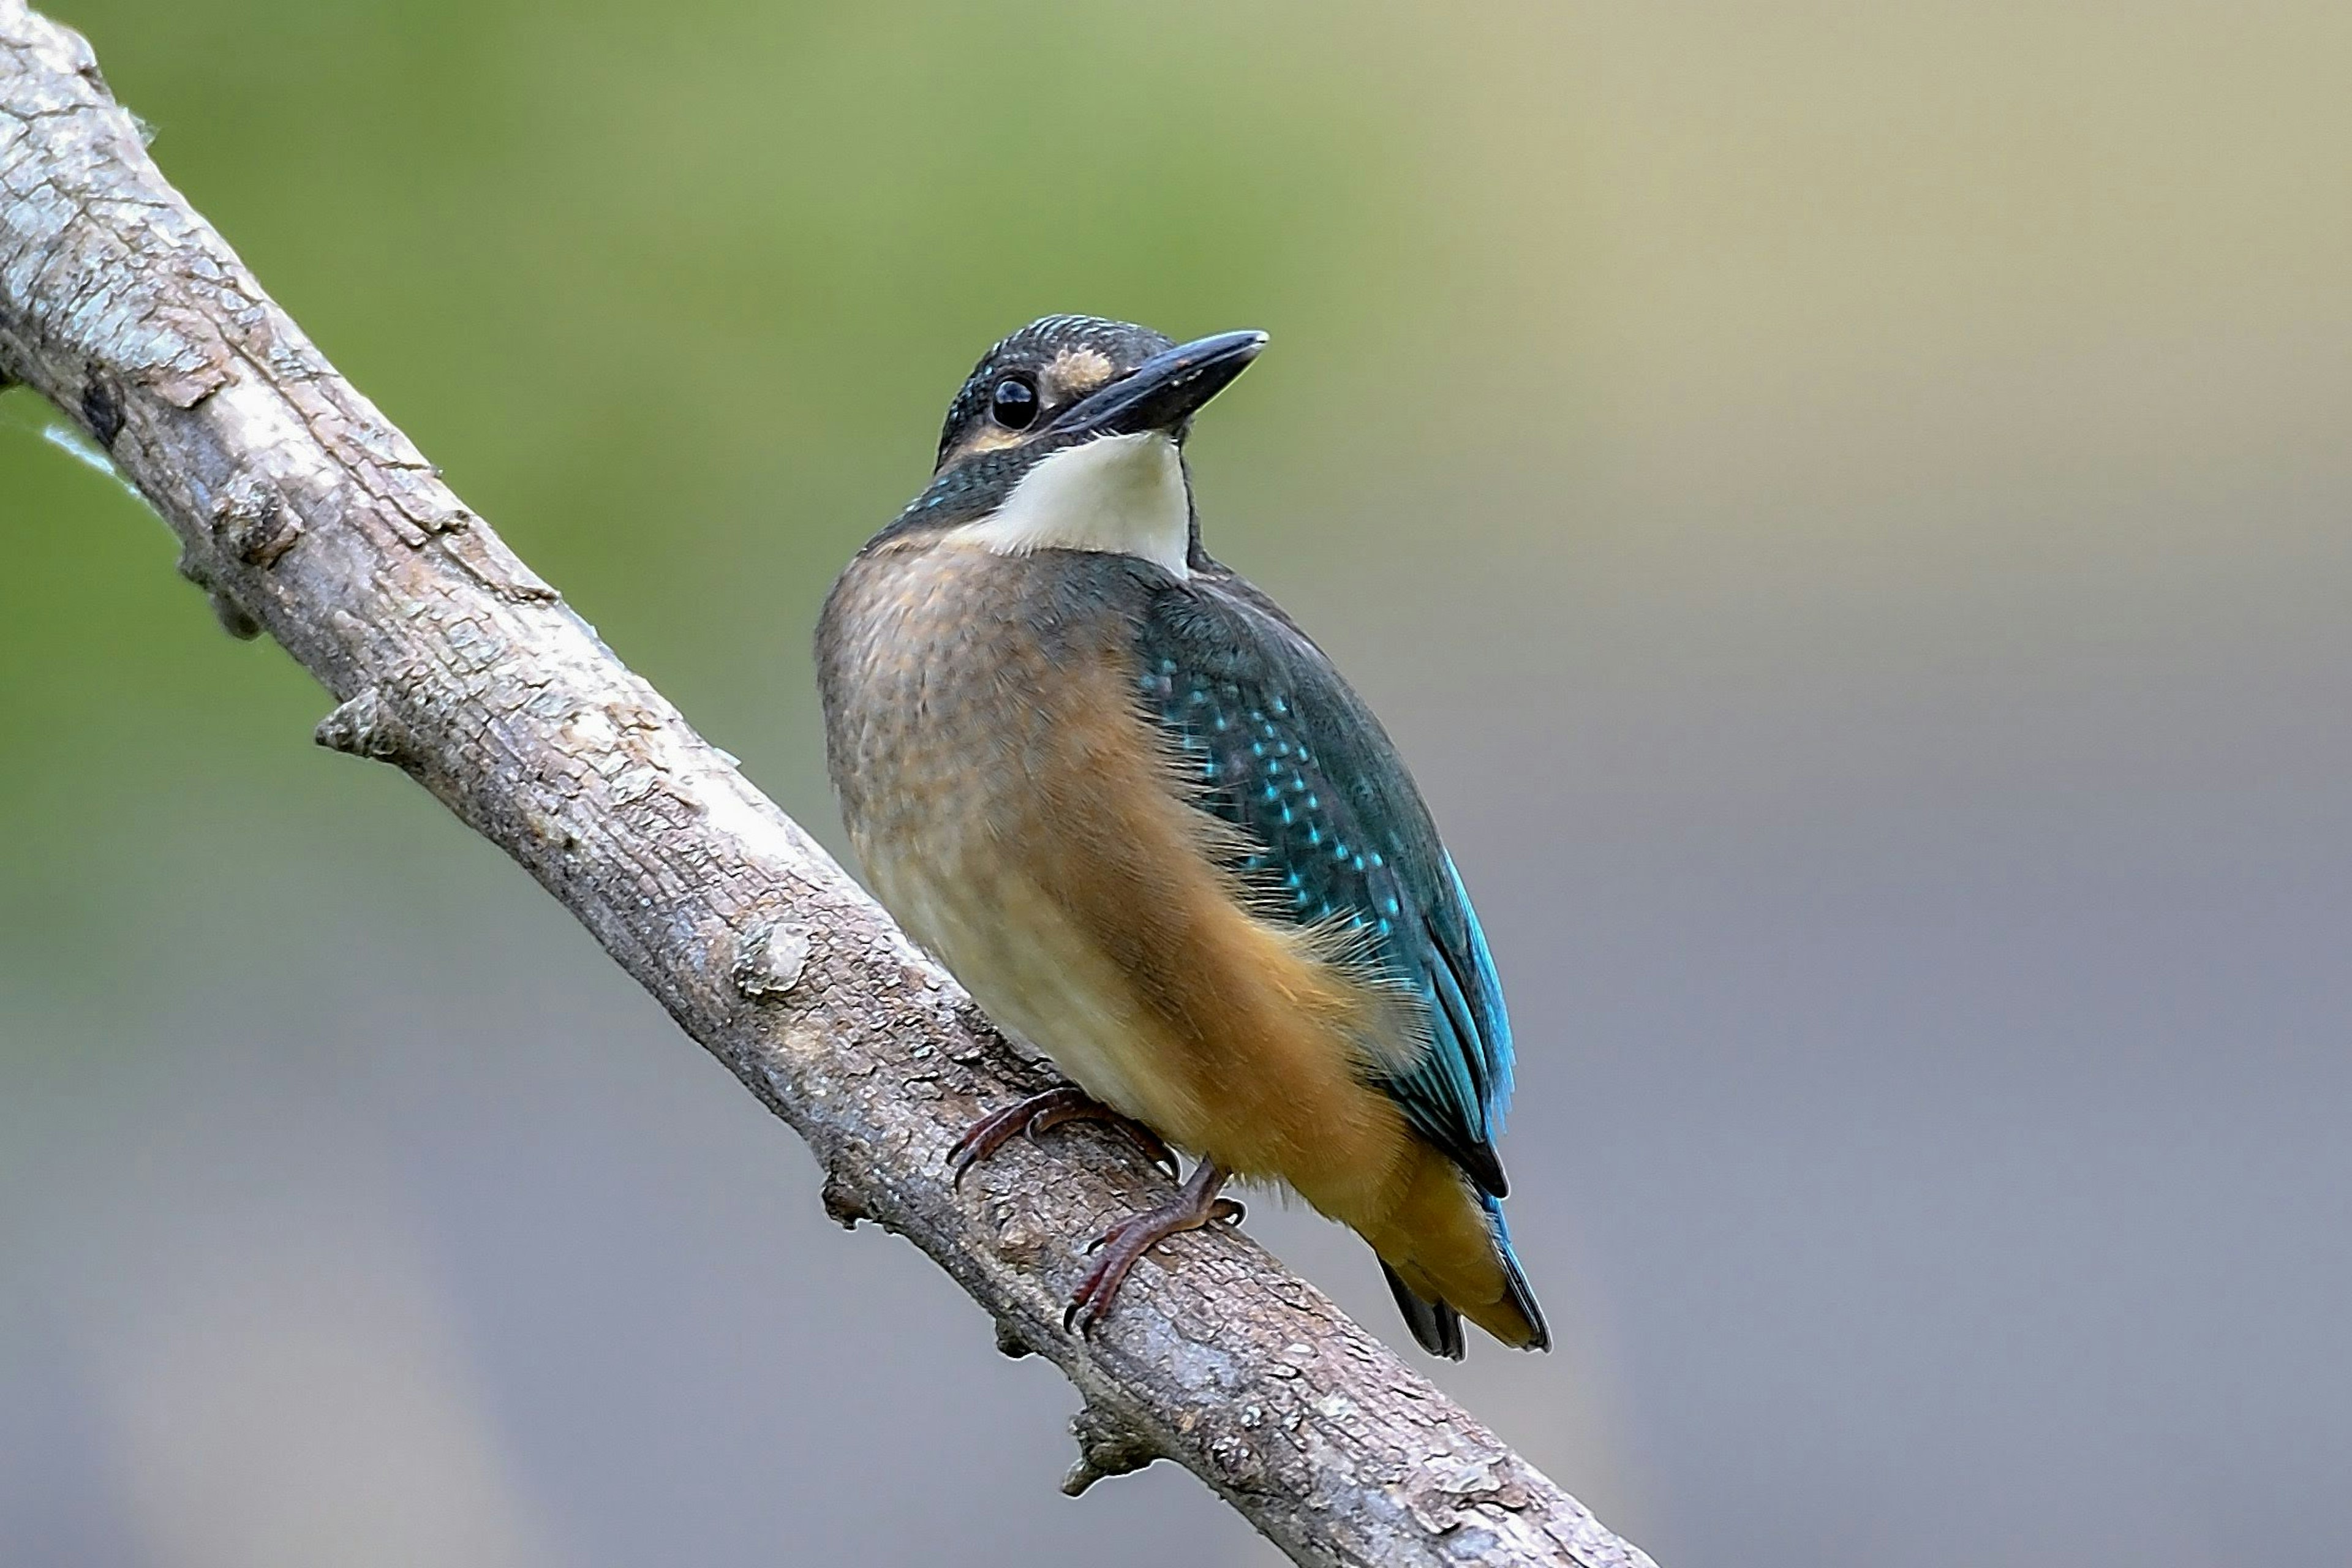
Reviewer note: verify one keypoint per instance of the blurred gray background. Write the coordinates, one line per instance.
(1844, 505)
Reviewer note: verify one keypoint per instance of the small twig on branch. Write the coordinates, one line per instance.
(305, 514)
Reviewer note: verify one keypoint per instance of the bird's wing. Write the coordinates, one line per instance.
(1277, 745)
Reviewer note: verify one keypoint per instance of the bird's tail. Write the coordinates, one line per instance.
(1447, 1256)
(1437, 1326)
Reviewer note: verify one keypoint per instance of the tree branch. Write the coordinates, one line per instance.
(304, 513)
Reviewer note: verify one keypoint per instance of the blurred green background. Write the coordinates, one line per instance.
(1844, 506)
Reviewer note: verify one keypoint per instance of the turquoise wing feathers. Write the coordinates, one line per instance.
(1281, 748)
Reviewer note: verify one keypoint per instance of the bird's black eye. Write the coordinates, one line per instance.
(1014, 403)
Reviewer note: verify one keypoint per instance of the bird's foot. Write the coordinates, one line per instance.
(1040, 1111)
(1193, 1207)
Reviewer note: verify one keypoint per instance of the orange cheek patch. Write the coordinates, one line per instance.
(989, 438)
(1074, 373)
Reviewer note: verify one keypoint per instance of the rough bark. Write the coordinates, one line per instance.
(304, 513)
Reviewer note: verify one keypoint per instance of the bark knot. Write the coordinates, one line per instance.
(1450, 1485)
(102, 410)
(254, 523)
(771, 960)
(364, 727)
(843, 1206)
(1109, 1445)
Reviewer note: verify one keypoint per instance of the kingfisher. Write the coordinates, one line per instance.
(1137, 814)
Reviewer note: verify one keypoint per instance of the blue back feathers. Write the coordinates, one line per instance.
(1285, 751)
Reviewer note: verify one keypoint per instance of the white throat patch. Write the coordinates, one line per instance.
(1116, 495)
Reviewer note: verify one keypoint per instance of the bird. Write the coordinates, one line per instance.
(1139, 814)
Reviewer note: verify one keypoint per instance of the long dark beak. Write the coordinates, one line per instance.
(1162, 392)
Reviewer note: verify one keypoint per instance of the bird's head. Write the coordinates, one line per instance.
(1068, 436)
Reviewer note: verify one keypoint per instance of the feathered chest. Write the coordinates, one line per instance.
(957, 681)
(978, 707)
(1010, 802)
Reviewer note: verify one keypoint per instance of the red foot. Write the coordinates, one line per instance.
(1040, 1111)
(1196, 1205)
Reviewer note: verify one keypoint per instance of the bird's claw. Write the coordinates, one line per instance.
(1124, 1243)
(984, 1137)
(1152, 1146)
(1040, 1113)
